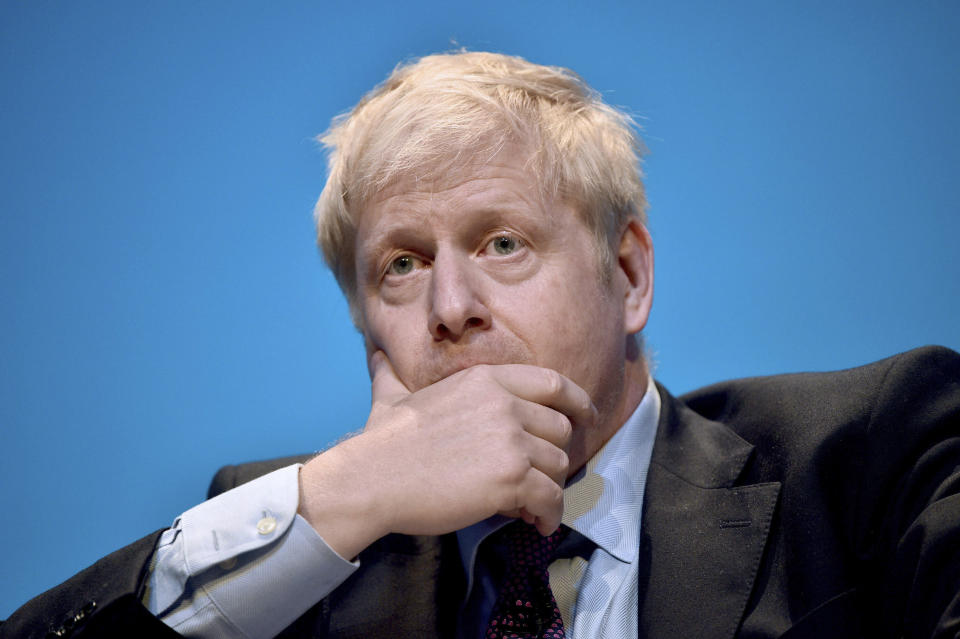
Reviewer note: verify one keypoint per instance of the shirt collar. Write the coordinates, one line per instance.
(604, 500)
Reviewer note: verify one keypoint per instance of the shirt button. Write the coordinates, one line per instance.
(266, 525)
(228, 564)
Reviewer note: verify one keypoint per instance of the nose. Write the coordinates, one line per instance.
(456, 306)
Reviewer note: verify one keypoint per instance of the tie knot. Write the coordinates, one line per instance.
(529, 548)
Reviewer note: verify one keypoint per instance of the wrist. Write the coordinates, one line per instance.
(339, 498)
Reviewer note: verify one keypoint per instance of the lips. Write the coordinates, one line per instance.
(441, 364)
(453, 368)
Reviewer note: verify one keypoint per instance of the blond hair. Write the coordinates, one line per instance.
(445, 110)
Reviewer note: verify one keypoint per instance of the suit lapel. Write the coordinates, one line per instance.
(702, 534)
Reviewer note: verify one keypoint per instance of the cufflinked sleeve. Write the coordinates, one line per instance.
(910, 508)
(243, 563)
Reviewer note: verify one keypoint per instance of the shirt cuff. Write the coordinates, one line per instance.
(244, 562)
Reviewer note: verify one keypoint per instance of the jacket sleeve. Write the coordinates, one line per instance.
(913, 462)
(102, 601)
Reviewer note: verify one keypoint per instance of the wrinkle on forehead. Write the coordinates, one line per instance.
(477, 193)
(464, 167)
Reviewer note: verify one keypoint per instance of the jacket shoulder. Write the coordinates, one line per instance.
(921, 372)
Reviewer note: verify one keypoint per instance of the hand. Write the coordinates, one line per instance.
(489, 439)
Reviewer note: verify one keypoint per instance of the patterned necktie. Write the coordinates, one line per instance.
(525, 607)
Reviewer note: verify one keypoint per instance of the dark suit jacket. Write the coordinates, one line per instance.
(808, 505)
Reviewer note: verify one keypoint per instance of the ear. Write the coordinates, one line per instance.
(635, 262)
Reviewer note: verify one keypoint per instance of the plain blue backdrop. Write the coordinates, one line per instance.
(163, 310)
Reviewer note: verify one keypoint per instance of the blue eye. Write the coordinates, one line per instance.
(401, 265)
(504, 244)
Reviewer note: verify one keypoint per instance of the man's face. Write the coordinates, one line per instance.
(474, 267)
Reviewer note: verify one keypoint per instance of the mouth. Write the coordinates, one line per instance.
(437, 364)
(447, 369)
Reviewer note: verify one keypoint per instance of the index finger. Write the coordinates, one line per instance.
(547, 387)
(384, 383)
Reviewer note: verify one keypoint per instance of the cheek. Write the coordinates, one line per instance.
(395, 331)
(582, 327)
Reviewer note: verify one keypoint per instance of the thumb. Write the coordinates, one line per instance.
(385, 386)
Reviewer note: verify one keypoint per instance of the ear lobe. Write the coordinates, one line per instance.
(635, 260)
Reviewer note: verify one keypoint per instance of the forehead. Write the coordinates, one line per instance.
(453, 166)
(503, 184)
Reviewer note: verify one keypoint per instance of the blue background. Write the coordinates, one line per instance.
(162, 307)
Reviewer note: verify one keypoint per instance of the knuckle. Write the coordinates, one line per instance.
(556, 495)
(553, 382)
(502, 404)
(566, 428)
(475, 374)
(512, 440)
(586, 404)
(482, 371)
(514, 470)
(563, 462)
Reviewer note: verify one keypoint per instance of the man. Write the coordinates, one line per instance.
(486, 220)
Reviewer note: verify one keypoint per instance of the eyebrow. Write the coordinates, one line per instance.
(507, 210)
(394, 235)
(503, 216)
